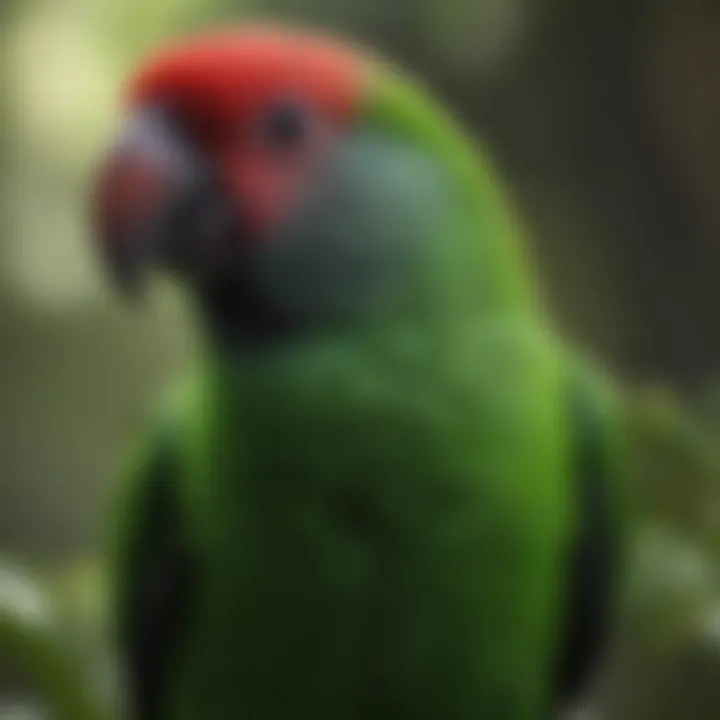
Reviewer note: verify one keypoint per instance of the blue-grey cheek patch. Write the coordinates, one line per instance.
(358, 234)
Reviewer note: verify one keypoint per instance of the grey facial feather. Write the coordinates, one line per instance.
(358, 234)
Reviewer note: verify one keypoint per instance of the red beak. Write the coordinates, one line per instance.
(155, 203)
(133, 189)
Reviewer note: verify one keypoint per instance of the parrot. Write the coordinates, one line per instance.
(386, 487)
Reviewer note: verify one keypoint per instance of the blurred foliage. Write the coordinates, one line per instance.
(604, 116)
(47, 652)
(666, 660)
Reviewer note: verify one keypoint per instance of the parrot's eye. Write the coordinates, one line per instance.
(284, 127)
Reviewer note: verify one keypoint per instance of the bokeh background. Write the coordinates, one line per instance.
(604, 116)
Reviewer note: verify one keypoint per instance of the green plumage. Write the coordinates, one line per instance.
(378, 521)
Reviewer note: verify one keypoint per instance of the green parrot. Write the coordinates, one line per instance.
(387, 489)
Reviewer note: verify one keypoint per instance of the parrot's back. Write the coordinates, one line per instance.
(378, 529)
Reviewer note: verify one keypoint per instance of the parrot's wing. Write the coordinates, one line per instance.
(155, 576)
(595, 552)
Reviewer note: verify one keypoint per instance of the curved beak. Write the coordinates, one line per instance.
(155, 203)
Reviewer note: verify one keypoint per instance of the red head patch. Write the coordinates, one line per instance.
(219, 87)
(219, 82)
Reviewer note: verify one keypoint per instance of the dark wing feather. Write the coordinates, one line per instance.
(590, 593)
(156, 583)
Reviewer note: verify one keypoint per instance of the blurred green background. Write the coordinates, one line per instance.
(604, 116)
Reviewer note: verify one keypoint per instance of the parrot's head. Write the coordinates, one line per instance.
(287, 179)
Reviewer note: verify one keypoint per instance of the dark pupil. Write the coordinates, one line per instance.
(285, 127)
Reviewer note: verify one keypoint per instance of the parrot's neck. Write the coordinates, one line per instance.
(237, 326)
(235, 323)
